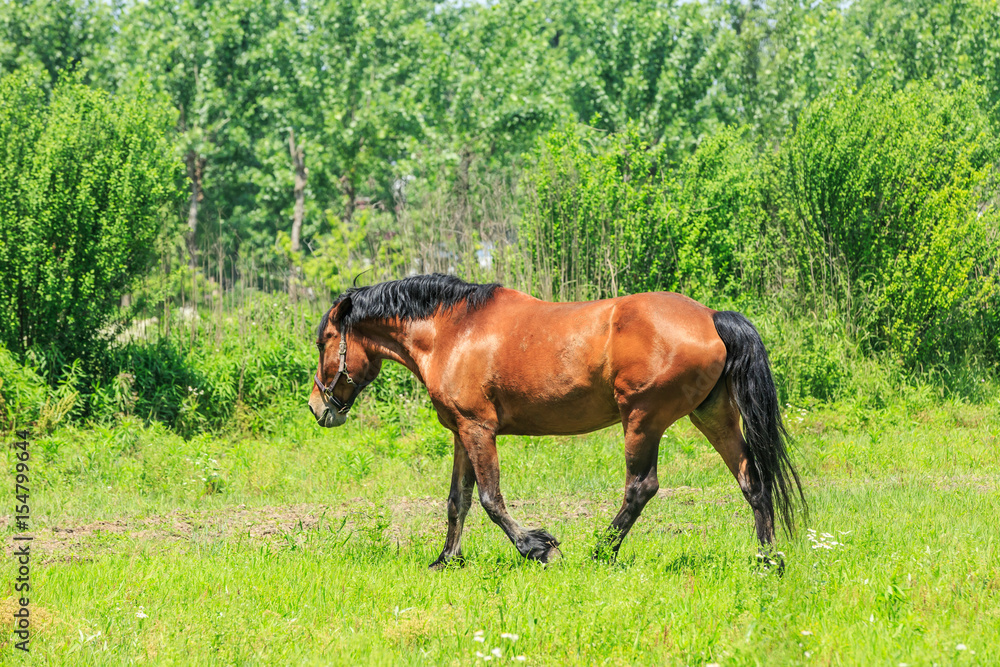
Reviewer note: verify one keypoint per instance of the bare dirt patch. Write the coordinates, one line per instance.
(75, 542)
(401, 520)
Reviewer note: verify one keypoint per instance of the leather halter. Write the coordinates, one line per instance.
(343, 407)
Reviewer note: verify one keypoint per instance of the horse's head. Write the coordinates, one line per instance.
(345, 368)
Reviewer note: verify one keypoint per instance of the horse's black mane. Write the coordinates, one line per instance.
(413, 298)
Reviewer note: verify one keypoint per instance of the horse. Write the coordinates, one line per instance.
(496, 361)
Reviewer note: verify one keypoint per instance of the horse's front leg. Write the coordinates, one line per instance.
(480, 444)
(459, 500)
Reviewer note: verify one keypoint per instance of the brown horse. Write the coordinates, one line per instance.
(496, 361)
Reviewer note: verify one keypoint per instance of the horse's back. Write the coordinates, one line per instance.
(647, 316)
(662, 343)
(668, 318)
(609, 332)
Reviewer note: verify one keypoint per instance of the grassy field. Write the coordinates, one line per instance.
(311, 546)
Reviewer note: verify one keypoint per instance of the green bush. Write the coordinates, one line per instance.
(28, 401)
(84, 183)
(221, 371)
(22, 392)
(238, 371)
(720, 232)
(880, 203)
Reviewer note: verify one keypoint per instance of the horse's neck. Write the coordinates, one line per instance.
(408, 343)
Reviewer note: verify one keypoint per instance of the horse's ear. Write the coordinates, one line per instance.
(342, 310)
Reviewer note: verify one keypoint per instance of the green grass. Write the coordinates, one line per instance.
(311, 546)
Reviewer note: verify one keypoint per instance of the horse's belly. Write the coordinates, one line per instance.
(565, 417)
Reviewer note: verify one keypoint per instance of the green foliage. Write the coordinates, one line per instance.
(56, 35)
(880, 200)
(720, 236)
(395, 102)
(600, 224)
(84, 178)
(242, 373)
(22, 392)
(612, 215)
(334, 260)
(666, 69)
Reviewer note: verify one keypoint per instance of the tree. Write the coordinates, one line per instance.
(301, 173)
(172, 45)
(55, 35)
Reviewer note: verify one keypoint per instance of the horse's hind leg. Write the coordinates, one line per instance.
(463, 479)
(482, 450)
(642, 445)
(718, 419)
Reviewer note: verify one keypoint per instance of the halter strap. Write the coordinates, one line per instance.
(343, 407)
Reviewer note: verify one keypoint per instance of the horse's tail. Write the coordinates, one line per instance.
(749, 371)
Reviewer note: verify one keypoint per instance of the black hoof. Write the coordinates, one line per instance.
(443, 562)
(554, 555)
(539, 545)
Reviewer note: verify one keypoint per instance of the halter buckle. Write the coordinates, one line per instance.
(343, 407)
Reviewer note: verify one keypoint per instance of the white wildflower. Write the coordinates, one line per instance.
(807, 632)
(961, 647)
(497, 652)
(141, 613)
(823, 541)
(508, 635)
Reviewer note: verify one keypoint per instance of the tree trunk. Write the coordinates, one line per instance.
(462, 183)
(463, 186)
(347, 185)
(195, 166)
(298, 161)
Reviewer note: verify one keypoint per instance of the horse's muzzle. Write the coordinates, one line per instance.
(331, 418)
(325, 416)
